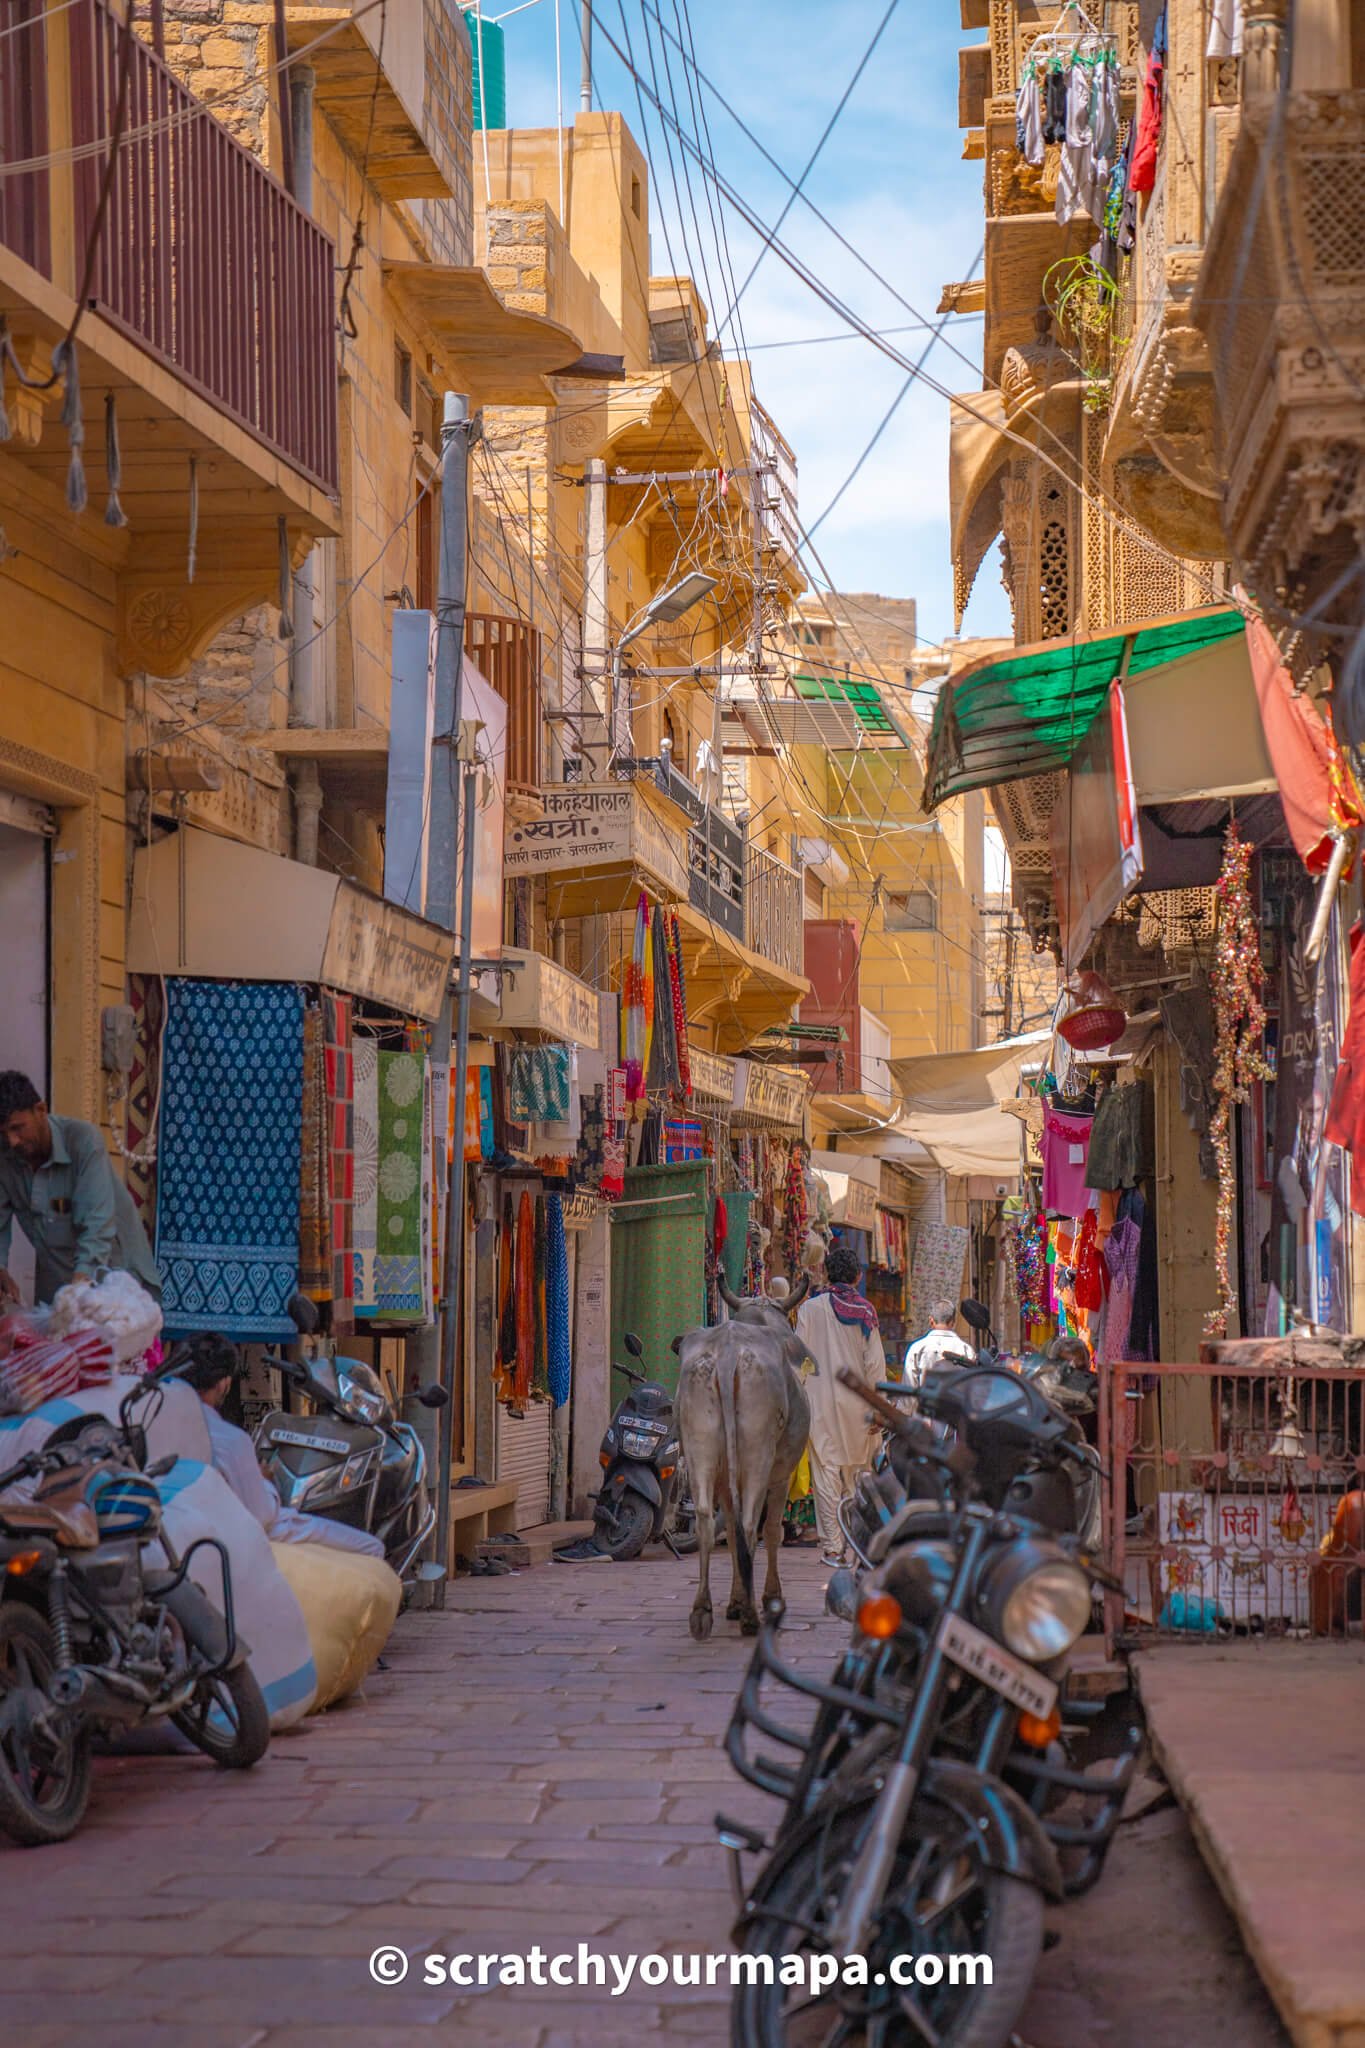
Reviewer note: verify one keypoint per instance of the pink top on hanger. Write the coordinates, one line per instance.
(1066, 1144)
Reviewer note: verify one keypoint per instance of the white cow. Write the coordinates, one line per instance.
(743, 1420)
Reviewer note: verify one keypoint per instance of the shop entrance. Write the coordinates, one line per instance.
(25, 1016)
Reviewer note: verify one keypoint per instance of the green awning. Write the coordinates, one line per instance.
(863, 699)
(1026, 713)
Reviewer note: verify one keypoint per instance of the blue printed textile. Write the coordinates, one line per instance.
(557, 1302)
(229, 1157)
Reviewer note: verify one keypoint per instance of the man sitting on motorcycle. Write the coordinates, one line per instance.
(211, 1373)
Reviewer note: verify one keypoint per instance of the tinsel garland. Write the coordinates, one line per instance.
(1239, 1035)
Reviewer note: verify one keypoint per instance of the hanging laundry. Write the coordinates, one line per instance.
(1225, 29)
(1028, 117)
(1147, 138)
(1055, 89)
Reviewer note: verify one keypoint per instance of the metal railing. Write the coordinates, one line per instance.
(203, 258)
(773, 911)
(1235, 1499)
(508, 655)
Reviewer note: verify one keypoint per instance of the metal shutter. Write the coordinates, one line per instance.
(524, 1455)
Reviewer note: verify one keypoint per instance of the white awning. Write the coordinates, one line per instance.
(952, 1105)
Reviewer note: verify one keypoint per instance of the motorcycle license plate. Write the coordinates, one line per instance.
(975, 1651)
(309, 1443)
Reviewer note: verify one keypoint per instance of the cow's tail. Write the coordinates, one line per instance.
(729, 1378)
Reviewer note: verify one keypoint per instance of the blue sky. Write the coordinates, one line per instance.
(891, 178)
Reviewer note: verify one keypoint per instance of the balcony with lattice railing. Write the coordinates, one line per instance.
(773, 896)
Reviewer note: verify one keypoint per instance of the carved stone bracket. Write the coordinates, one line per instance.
(165, 622)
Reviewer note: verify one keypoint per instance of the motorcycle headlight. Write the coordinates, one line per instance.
(1045, 1612)
(638, 1443)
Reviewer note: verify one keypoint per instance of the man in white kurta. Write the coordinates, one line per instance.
(838, 1327)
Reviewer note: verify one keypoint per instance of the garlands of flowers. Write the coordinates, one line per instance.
(1239, 1035)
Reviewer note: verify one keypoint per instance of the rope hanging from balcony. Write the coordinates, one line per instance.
(66, 365)
(114, 514)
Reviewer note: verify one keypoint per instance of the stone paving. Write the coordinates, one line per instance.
(540, 1764)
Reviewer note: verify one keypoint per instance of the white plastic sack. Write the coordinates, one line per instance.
(197, 1502)
(118, 1305)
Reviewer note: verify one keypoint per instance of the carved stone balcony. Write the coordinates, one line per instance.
(1281, 299)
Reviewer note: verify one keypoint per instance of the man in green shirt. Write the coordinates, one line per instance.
(58, 1183)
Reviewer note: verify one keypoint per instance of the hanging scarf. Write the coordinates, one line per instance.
(852, 1308)
(525, 1307)
(557, 1302)
(677, 988)
(637, 1002)
(665, 1053)
(540, 1377)
(798, 1214)
(614, 1137)
(504, 1372)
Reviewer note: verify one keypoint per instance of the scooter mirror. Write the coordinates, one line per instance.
(633, 1345)
(975, 1314)
(302, 1314)
(434, 1396)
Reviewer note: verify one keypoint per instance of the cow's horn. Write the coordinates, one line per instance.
(727, 1293)
(797, 1295)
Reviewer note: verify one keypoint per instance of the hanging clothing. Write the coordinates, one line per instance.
(560, 1365)
(1346, 1115)
(637, 999)
(1143, 1331)
(1028, 117)
(1066, 1145)
(841, 1436)
(1055, 91)
(1225, 29)
(229, 1158)
(1147, 137)
(525, 1304)
(1116, 1158)
(315, 1258)
(538, 1084)
(339, 1084)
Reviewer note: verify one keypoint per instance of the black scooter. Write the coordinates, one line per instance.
(640, 1461)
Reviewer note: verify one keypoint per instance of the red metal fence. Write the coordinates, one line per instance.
(203, 257)
(1236, 1499)
(508, 654)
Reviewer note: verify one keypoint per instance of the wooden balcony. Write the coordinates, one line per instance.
(1279, 300)
(509, 654)
(202, 258)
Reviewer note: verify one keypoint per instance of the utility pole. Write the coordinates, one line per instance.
(431, 1347)
(596, 649)
(585, 74)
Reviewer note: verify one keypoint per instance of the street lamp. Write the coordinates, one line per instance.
(670, 604)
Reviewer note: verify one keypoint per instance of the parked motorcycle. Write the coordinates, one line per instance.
(352, 1460)
(101, 1626)
(640, 1459)
(924, 1809)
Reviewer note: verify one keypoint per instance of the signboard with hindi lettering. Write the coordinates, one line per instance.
(597, 830)
(713, 1076)
(770, 1094)
(540, 995)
